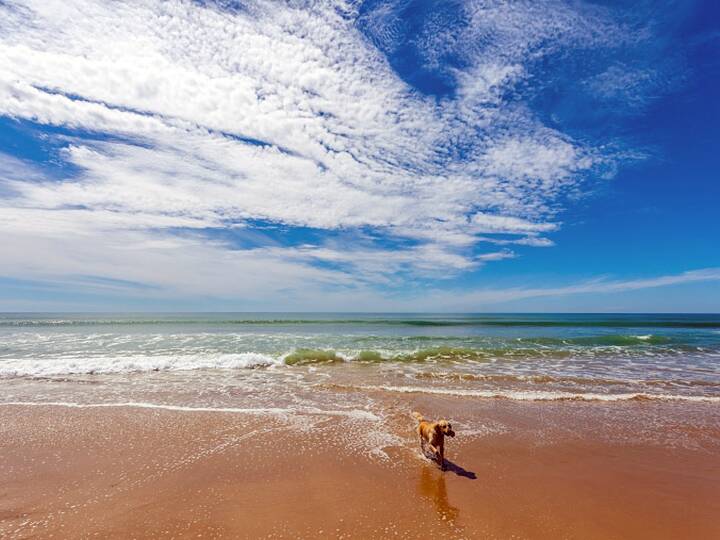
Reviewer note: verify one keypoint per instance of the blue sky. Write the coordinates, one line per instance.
(359, 156)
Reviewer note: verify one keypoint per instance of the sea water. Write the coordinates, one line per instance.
(517, 356)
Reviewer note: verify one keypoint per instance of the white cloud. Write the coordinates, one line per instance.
(633, 87)
(169, 265)
(192, 117)
(478, 299)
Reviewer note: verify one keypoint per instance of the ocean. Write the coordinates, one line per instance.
(511, 356)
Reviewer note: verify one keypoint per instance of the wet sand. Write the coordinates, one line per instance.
(567, 470)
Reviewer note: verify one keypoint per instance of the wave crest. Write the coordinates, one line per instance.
(131, 364)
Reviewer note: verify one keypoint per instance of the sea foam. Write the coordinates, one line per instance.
(539, 395)
(355, 414)
(75, 365)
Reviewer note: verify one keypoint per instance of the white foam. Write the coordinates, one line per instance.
(356, 414)
(24, 367)
(540, 395)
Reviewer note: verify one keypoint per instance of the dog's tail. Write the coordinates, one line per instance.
(419, 417)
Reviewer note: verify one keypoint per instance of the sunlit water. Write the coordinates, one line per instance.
(361, 368)
(520, 356)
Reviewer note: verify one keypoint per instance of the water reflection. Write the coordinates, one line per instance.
(432, 487)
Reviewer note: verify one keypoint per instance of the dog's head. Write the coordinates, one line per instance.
(445, 428)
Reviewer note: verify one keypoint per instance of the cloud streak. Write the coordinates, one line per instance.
(479, 298)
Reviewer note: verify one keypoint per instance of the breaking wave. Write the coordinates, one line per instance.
(130, 364)
(530, 349)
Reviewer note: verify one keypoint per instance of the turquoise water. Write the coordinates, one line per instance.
(609, 354)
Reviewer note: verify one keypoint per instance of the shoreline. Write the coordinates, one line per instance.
(533, 470)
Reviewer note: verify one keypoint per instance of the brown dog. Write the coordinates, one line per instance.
(433, 434)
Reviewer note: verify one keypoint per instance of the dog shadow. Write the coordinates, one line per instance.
(451, 466)
(457, 469)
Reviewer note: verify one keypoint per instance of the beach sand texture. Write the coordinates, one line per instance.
(533, 470)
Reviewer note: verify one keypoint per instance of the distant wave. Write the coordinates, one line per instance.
(698, 323)
(609, 340)
(613, 339)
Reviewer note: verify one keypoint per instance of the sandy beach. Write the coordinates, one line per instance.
(246, 246)
(278, 426)
(536, 470)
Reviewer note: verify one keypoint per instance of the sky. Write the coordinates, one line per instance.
(359, 156)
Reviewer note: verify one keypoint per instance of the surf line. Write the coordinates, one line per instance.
(355, 413)
(540, 395)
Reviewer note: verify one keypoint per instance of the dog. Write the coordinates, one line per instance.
(433, 435)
